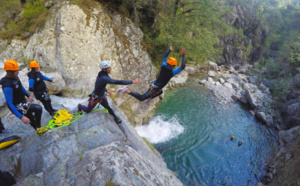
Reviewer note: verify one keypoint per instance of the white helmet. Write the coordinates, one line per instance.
(105, 64)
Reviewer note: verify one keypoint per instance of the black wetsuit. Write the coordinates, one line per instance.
(98, 94)
(38, 86)
(15, 98)
(166, 73)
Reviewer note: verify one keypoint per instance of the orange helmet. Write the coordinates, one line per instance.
(11, 65)
(172, 61)
(34, 64)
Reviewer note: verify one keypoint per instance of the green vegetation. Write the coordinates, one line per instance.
(80, 156)
(280, 88)
(109, 183)
(194, 25)
(21, 21)
(136, 172)
(150, 145)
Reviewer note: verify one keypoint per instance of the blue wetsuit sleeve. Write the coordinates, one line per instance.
(118, 82)
(24, 90)
(164, 63)
(31, 84)
(46, 78)
(8, 93)
(176, 71)
(182, 67)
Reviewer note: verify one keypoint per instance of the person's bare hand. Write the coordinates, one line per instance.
(31, 99)
(183, 52)
(170, 47)
(25, 120)
(136, 81)
(109, 92)
(53, 81)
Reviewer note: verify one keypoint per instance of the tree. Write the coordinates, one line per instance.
(193, 24)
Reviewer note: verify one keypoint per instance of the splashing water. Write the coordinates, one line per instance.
(67, 103)
(194, 134)
(160, 130)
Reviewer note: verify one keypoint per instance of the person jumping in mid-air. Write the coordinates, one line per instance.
(100, 88)
(38, 86)
(166, 73)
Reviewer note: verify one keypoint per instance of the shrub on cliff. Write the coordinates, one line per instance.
(21, 21)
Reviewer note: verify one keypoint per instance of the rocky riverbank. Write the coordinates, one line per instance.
(230, 85)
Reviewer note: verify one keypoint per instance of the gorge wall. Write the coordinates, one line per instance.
(74, 42)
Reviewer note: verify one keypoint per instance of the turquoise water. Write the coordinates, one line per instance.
(192, 132)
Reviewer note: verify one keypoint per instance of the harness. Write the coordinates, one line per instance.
(45, 95)
(152, 88)
(94, 99)
(23, 107)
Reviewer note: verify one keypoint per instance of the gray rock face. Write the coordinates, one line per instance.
(296, 81)
(72, 44)
(290, 114)
(59, 84)
(93, 150)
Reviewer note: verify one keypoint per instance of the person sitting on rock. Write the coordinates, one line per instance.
(100, 88)
(38, 86)
(4, 131)
(15, 93)
(166, 73)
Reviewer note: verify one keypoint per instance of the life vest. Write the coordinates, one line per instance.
(166, 73)
(39, 84)
(16, 85)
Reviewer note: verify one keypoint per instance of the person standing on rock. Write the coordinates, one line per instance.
(100, 88)
(38, 86)
(166, 73)
(15, 93)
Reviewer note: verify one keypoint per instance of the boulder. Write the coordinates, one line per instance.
(290, 113)
(212, 66)
(250, 99)
(190, 70)
(296, 80)
(261, 116)
(222, 81)
(211, 73)
(202, 81)
(59, 84)
(228, 85)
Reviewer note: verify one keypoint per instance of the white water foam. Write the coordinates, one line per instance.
(158, 130)
(67, 103)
